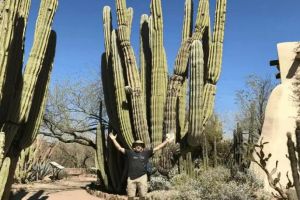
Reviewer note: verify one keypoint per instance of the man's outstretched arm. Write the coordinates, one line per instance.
(117, 145)
(163, 144)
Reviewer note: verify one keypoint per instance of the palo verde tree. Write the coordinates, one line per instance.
(145, 104)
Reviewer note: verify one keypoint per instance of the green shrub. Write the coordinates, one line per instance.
(218, 184)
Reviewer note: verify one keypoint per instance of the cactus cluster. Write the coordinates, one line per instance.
(21, 102)
(144, 102)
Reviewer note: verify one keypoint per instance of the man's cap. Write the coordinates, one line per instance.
(138, 143)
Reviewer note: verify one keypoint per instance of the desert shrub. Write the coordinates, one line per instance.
(159, 182)
(218, 184)
(163, 195)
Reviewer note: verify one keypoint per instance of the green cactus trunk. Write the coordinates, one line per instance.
(145, 62)
(140, 125)
(100, 156)
(18, 91)
(182, 96)
(123, 114)
(196, 93)
(159, 75)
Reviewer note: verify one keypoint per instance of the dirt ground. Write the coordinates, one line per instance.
(70, 189)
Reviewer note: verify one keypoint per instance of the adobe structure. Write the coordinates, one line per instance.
(280, 115)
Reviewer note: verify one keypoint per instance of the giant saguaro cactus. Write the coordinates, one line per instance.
(147, 105)
(21, 102)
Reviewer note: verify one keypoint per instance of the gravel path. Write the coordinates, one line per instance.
(60, 190)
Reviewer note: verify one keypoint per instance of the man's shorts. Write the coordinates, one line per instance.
(139, 183)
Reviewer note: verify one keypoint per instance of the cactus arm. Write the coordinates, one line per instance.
(107, 82)
(119, 85)
(138, 110)
(107, 27)
(188, 20)
(294, 163)
(4, 172)
(100, 159)
(25, 92)
(2, 143)
(196, 93)
(173, 90)
(216, 49)
(130, 18)
(214, 61)
(40, 94)
(202, 19)
(15, 59)
(106, 70)
(36, 56)
(7, 27)
(208, 101)
(158, 74)
(2, 3)
(145, 61)
(186, 33)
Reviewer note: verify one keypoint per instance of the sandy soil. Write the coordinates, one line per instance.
(70, 189)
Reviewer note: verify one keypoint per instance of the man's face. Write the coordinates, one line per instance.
(138, 148)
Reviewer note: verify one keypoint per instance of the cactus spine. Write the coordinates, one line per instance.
(186, 33)
(18, 92)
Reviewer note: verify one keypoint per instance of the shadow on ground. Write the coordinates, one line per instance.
(20, 194)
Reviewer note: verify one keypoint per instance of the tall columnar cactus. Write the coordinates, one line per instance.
(147, 105)
(100, 153)
(186, 34)
(140, 126)
(21, 102)
(159, 74)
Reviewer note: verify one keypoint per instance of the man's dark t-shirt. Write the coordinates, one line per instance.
(137, 162)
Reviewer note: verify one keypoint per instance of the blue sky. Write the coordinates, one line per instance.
(252, 30)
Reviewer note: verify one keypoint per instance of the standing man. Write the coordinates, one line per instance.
(137, 159)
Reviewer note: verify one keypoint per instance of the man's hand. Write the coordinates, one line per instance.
(117, 145)
(170, 137)
(112, 136)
